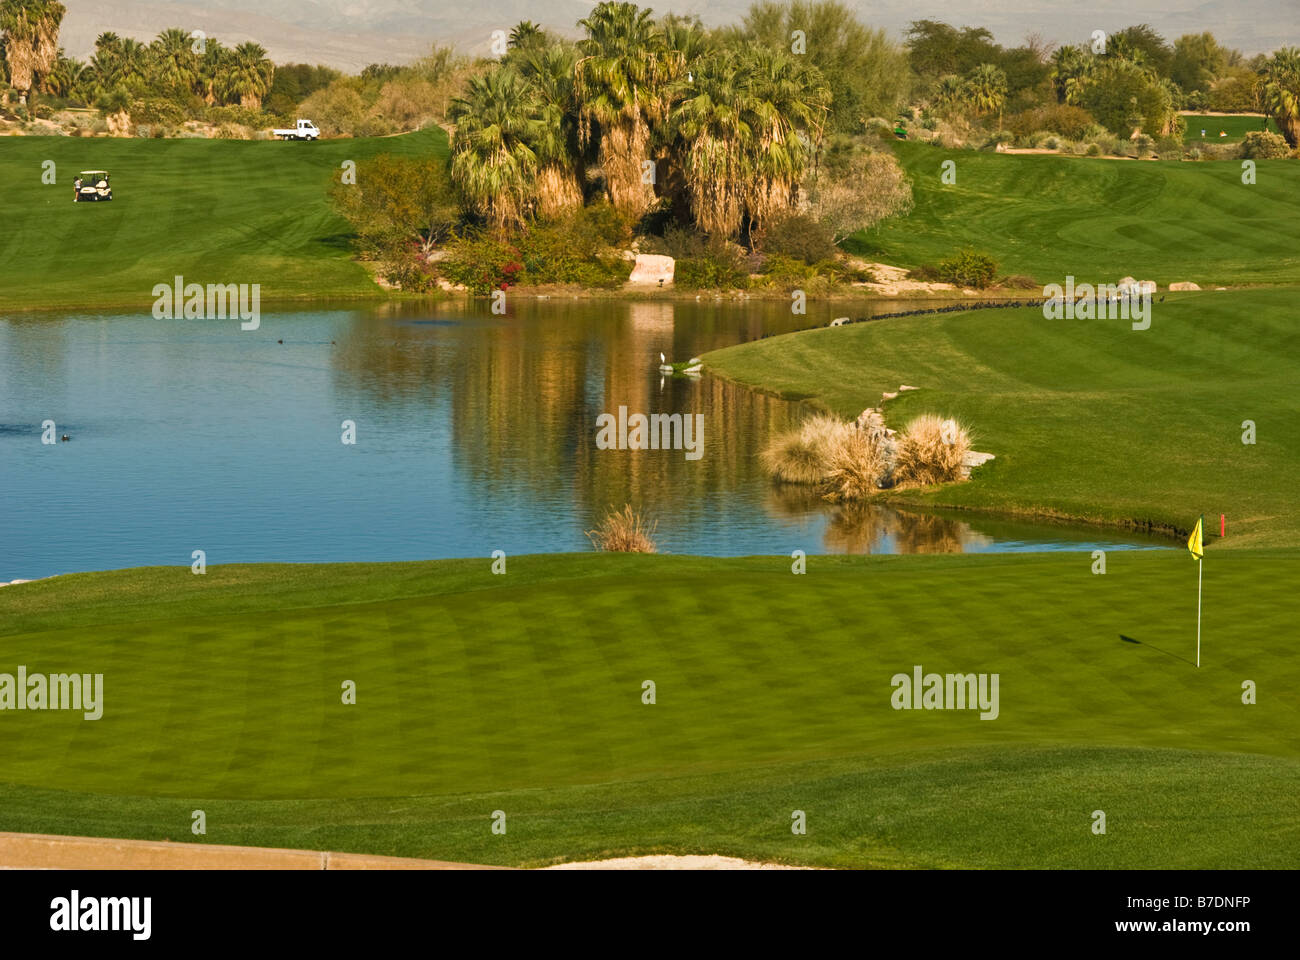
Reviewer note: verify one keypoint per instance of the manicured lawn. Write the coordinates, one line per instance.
(1049, 216)
(523, 693)
(213, 211)
(1236, 128)
(1088, 419)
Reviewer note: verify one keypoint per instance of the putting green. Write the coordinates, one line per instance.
(213, 211)
(524, 693)
(1087, 418)
(1048, 217)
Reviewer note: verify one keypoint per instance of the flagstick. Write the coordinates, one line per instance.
(1199, 571)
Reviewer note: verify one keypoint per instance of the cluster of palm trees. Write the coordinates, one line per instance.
(675, 117)
(176, 64)
(983, 91)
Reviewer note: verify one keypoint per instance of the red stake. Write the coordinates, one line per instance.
(1222, 527)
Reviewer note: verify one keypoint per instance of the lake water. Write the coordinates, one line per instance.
(473, 433)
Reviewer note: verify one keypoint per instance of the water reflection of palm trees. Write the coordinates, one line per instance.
(524, 392)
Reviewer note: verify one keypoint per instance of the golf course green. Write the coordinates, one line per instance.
(524, 693)
(1048, 216)
(213, 211)
(1087, 419)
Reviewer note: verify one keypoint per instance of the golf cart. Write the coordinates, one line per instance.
(93, 186)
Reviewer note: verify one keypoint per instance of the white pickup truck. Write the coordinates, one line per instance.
(305, 130)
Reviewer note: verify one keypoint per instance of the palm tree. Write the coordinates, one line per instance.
(621, 82)
(31, 40)
(213, 68)
(548, 72)
(526, 35)
(493, 164)
(950, 91)
(64, 79)
(174, 62)
(249, 75)
(1070, 67)
(1280, 92)
(790, 101)
(713, 122)
(986, 88)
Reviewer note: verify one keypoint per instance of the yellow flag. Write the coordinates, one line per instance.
(1194, 542)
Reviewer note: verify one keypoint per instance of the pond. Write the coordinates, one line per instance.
(473, 433)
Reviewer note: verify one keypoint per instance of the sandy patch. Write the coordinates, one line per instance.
(891, 281)
(692, 861)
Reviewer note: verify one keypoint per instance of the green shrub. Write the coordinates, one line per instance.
(1263, 145)
(1092, 150)
(1143, 144)
(1169, 148)
(787, 272)
(1073, 123)
(482, 264)
(720, 266)
(801, 237)
(969, 269)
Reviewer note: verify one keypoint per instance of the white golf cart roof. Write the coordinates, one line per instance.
(94, 173)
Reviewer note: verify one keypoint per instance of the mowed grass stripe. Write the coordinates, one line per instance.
(739, 682)
(984, 807)
(1051, 216)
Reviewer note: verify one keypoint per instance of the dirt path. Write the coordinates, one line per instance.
(35, 851)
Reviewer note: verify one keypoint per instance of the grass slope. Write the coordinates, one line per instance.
(1087, 418)
(523, 693)
(1099, 220)
(213, 211)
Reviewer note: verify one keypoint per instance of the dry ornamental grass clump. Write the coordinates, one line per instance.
(801, 456)
(846, 463)
(624, 531)
(931, 449)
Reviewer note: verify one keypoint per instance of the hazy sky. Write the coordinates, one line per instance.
(352, 33)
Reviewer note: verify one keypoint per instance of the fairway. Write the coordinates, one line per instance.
(1236, 127)
(212, 211)
(1088, 419)
(524, 693)
(1048, 217)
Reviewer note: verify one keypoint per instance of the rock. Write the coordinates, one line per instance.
(839, 321)
(888, 396)
(871, 422)
(1127, 282)
(652, 269)
(906, 387)
(1147, 286)
(1184, 285)
(972, 460)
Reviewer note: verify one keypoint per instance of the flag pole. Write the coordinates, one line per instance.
(1200, 569)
